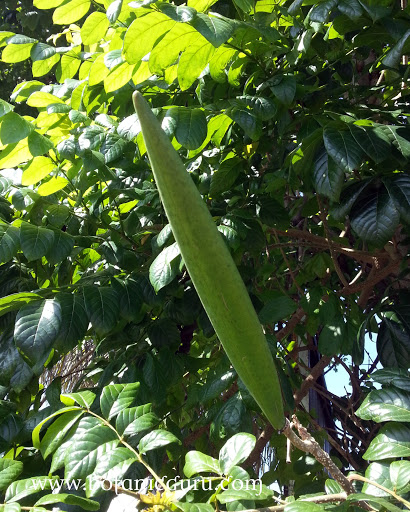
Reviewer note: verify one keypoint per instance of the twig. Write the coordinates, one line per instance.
(315, 373)
(308, 444)
(385, 489)
(325, 498)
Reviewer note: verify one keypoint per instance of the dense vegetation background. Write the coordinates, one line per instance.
(292, 120)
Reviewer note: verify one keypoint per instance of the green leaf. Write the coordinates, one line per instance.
(5, 108)
(87, 448)
(71, 11)
(38, 144)
(68, 499)
(83, 398)
(236, 450)
(143, 33)
(303, 506)
(38, 168)
(42, 51)
(165, 267)
(387, 404)
(399, 189)
(400, 475)
(392, 59)
(56, 432)
(156, 439)
(9, 243)
(52, 186)
(342, 147)
(193, 61)
(13, 128)
(127, 416)
(332, 337)
(379, 473)
(116, 397)
(118, 76)
(9, 471)
(111, 466)
(379, 502)
(13, 53)
(249, 123)
(258, 493)
(374, 216)
(197, 462)
(277, 308)
(397, 135)
(102, 306)
(393, 344)
(114, 10)
(372, 141)
(129, 127)
(74, 321)
(224, 178)
(61, 248)
(393, 377)
(194, 507)
(37, 327)
(284, 88)
(191, 127)
(328, 177)
(392, 441)
(35, 241)
(321, 12)
(350, 8)
(94, 28)
(22, 488)
(216, 30)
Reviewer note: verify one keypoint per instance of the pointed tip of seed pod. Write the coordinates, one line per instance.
(136, 98)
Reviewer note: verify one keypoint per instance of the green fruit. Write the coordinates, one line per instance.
(212, 270)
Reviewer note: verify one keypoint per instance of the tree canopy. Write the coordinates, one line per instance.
(291, 119)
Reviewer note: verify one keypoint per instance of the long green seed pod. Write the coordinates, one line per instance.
(212, 269)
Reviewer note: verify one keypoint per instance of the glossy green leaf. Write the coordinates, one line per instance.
(224, 178)
(372, 141)
(350, 8)
(399, 190)
(397, 135)
(392, 441)
(83, 398)
(387, 404)
(22, 488)
(35, 241)
(303, 506)
(118, 76)
(217, 30)
(111, 466)
(37, 327)
(197, 462)
(13, 53)
(71, 11)
(342, 147)
(235, 451)
(94, 28)
(156, 439)
(57, 431)
(9, 243)
(13, 128)
(68, 499)
(258, 493)
(277, 308)
(250, 124)
(393, 376)
(328, 176)
(374, 216)
(400, 475)
(127, 416)
(165, 267)
(102, 307)
(116, 397)
(284, 88)
(143, 33)
(39, 168)
(9, 471)
(74, 321)
(393, 344)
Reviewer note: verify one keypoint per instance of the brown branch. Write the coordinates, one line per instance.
(308, 444)
(290, 326)
(309, 381)
(262, 441)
